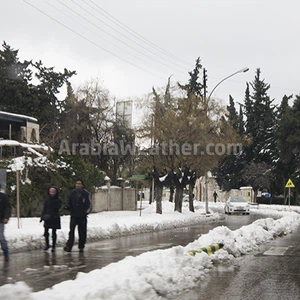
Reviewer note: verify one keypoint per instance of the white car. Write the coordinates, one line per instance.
(237, 204)
(185, 198)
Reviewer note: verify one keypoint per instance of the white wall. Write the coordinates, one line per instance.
(114, 199)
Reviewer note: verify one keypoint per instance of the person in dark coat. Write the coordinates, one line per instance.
(79, 205)
(51, 217)
(5, 213)
(215, 196)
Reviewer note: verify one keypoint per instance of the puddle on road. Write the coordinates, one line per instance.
(276, 251)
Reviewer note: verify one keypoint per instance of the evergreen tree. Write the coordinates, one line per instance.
(259, 141)
(232, 116)
(194, 87)
(19, 95)
(283, 164)
(248, 105)
(288, 141)
(240, 128)
(264, 120)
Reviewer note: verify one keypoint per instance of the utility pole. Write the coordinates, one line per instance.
(204, 85)
(205, 105)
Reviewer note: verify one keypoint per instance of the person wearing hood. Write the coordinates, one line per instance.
(51, 217)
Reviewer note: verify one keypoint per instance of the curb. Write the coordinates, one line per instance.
(207, 249)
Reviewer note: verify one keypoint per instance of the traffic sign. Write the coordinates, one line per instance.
(289, 184)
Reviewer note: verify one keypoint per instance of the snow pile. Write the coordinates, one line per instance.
(247, 238)
(105, 225)
(162, 273)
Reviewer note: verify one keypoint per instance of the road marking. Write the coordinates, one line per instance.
(276, 251)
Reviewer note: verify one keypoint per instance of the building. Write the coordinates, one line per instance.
(19, 133)
(19, 128)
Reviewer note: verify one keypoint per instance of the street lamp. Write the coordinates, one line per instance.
(244, 70)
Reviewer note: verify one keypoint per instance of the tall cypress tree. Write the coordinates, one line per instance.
(248, 111)
(241, 129)
(232, 116)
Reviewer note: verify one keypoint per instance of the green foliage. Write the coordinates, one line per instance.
(19, 95)
(78, 168)
(288, 141)
(39, 174)
(194, 87)
(263, 118)
(259, 140)
(233, 115)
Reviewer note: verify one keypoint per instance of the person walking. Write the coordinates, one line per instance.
(5, 213)
(51, 217)
(79, 206)
(215, 196)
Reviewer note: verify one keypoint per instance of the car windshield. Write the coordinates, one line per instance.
(237, 199)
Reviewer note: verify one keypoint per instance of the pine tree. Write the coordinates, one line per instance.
(241, 129)
(288, 141)
(261, 120)
(233, 116)
(283, 164)
(248, 111)
(194, 87)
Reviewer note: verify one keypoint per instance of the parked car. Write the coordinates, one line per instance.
(237, 204)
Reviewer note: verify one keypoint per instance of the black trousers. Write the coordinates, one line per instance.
(81, 222)
(54, 236)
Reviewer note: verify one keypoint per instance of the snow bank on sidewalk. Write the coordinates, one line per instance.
(161, 274)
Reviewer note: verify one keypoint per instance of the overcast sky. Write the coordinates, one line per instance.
(161, 38)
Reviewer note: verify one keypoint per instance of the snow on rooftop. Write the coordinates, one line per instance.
(19, 116)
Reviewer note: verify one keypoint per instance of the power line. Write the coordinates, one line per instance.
(130, 53)
(120, 34)
(134, 33)
(130, 63)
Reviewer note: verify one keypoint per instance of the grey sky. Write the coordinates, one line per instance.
(227, 35)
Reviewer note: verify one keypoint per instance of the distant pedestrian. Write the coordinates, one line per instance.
(51, 217)
(215, 196)
(79, 205)
(5, 213)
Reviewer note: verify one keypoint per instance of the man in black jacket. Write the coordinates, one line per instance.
(79, 205)
(5, 213)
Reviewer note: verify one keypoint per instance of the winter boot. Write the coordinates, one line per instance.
(53, 242)
(47, 246)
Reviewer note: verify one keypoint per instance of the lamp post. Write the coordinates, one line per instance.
(206, 100)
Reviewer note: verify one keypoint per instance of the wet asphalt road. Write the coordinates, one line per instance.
(41, 269)
(273, 273)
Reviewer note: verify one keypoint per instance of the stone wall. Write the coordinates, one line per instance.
(114, 199)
